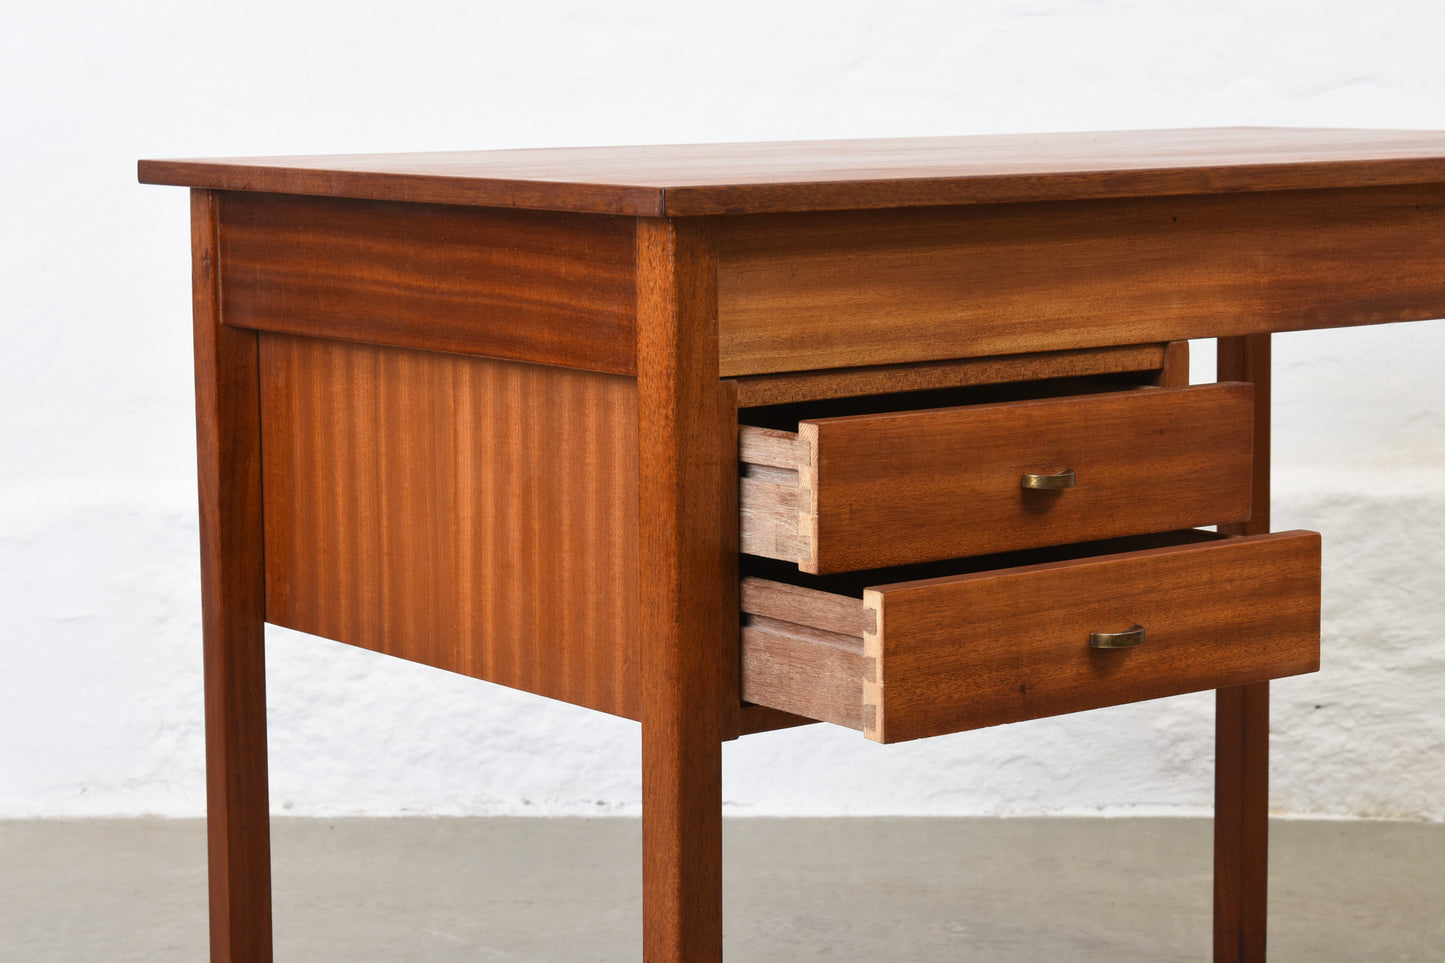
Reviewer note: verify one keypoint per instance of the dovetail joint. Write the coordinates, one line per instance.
(872, 709)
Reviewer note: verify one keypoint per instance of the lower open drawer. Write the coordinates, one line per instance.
(961, 651)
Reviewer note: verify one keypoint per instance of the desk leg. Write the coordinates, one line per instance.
(228, 447)
(1241, 823)
(688, 588)
(1241, 788)
(681, 842)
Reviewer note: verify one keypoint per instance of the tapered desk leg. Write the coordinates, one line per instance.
(228, 440)
(687, 557)
(1241, 788)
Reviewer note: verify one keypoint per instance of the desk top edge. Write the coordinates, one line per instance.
(750, 178)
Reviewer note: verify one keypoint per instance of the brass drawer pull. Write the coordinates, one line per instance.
(1117, 640)
(1049, 480)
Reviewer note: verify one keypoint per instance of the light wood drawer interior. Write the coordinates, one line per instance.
(902, 660)
(889, 488)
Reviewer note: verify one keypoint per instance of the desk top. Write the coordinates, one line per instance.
(700, 179)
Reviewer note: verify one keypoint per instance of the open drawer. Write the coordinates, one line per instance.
(865, 491)
(900, 661)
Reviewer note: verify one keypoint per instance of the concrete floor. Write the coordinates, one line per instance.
(400, 890)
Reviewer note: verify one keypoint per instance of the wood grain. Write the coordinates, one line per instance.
(1247, 360)
(838, 290)
(471, 514)
(791, 387)
(1241, 823)
(771, 447)
(966, 651)
(980, 650)
(549, 288)
(768, 513)
(1174, 371)
(693, 179)
(1241, 787)
(814, 673)
(781, 602)
(914, 486)
(689, 602)
(228, 458)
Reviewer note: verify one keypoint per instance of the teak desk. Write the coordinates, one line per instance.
(633, 428)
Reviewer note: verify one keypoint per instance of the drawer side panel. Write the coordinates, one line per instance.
(803, 671)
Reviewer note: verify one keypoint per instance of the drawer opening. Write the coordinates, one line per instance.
(785, 417)
(921, 650)
(853, 584)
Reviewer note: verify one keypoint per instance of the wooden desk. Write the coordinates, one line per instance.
(485, 411)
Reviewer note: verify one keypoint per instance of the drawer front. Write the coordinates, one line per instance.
(963, 652)
(915, 486)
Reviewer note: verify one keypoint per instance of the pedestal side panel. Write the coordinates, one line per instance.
(467, 513)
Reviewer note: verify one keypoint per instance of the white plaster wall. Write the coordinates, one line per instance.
(99, 626)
